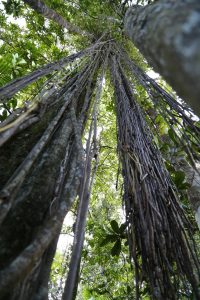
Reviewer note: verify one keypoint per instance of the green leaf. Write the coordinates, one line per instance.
(122, 228)
(159, 119)
(184, 186)
(4, 115)
(102, 292)
(172, 135)
(110, 238)
(179, 178)
(169, 166)
(126, 243)
(22, 62)
(165, 148)
(115, 226)
(116, 249)
(13, 103)
(145, 291)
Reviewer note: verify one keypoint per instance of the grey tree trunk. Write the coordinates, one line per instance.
(193, 178)
(40, 175)
(168, 35)
(53, 179)
(32, 204)
(146, 196)
(50, 14)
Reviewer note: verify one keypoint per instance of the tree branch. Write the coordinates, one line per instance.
(40, 7)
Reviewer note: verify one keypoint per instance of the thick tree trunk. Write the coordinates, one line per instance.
(168, 35)
(36, 198)
(32, 204)
(40, 174)
(193, 178)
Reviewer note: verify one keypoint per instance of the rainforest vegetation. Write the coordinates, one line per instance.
(99, 149)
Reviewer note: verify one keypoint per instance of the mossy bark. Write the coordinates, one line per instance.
(32, 205)
(168, 35)
(193, 178)
(33, 200)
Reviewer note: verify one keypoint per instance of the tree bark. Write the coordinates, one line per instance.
(193, 178)
(23, 235)
(168, 35)
(32, 204)
(154, 214)
(40, 175)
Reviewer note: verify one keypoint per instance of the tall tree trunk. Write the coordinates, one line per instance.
(158, 96)
(193, 178)
(156, 229)
(31, 204)
(40, 7)
(40, 174)
(71, 284)
(168, 35)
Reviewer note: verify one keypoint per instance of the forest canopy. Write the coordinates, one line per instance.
(99, 149)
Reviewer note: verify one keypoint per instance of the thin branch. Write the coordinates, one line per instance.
(16, 85)
(84, 196)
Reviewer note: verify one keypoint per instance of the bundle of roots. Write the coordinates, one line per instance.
(163, 254)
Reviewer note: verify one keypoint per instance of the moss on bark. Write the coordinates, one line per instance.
(168, 35)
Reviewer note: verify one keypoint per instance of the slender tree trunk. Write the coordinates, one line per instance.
(50, 14)
(168, 35)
